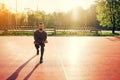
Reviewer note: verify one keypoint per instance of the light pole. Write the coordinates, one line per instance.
(37, 7)
(16, 12)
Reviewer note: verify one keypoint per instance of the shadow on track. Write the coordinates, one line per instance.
(16, 73)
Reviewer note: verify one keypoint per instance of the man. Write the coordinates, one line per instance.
(40, 37)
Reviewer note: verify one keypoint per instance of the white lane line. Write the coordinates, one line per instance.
(61, 61)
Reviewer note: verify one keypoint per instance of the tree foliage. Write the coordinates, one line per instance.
(108, 13)
(77, 16)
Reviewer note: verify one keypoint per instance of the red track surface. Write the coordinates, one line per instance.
(65, 58)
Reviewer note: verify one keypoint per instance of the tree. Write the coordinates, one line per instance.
(6, 16)
(4, 12)
(108, 13)
(91, 17)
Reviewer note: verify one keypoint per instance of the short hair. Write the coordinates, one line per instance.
(40, 23)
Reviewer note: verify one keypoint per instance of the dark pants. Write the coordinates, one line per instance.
(42, 49)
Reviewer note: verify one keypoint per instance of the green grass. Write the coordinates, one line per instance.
(110, 34)
(76, 34)
(59, 33)
(16, 33)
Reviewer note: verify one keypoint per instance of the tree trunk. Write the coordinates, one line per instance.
(113, 30)
(114, 25)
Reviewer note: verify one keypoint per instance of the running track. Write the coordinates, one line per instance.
(65, 58)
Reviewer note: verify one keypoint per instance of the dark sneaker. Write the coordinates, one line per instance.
(41, 61)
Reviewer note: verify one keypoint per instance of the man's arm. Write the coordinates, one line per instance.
(45, 40)
(35, 38)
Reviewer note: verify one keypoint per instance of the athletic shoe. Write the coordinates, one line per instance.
(41, 61)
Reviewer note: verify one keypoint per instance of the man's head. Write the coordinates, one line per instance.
(41, 26)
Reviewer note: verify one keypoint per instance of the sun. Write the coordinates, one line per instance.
(73, 4)
(75, 15)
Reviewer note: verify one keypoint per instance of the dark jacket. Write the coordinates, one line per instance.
(40, 37)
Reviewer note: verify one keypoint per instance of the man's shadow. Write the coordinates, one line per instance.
(27, 77)
(16, 73)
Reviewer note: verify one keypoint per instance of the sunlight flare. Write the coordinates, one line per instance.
(47, 5)
(75, 15)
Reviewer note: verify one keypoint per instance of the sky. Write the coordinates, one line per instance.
(47, 5)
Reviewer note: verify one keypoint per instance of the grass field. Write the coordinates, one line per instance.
(60, 33)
